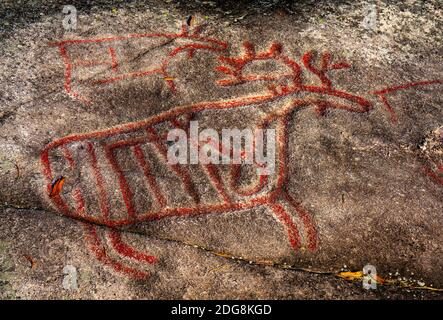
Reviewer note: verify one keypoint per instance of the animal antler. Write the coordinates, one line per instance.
(236, 66)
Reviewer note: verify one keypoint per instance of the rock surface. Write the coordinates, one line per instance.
(357, 109)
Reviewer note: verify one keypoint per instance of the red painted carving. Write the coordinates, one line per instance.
(196, 42)
(133, 139)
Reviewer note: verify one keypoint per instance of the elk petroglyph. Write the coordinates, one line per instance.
(123, 162)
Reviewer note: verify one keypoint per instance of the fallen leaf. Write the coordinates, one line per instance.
(222, 254)
(357, 275)
(57, 185)
(190, 21)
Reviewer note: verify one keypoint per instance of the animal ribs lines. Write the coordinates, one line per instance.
(122, 177)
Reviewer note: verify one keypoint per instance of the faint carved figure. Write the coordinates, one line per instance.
(70, 278)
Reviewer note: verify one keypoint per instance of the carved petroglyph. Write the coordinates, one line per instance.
(120, 176)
